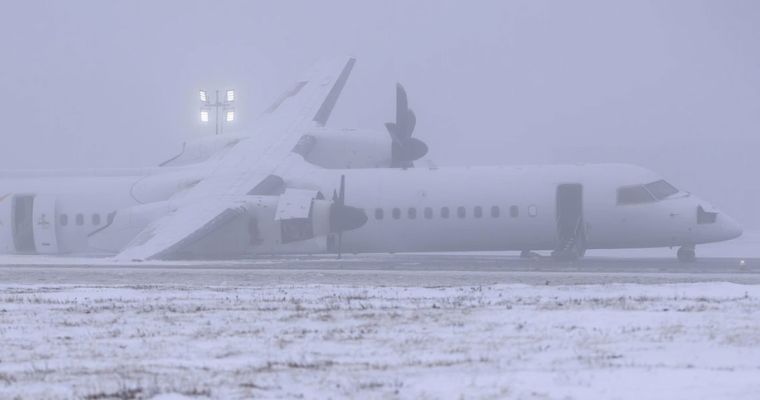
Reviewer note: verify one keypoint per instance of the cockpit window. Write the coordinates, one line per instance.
(637, 194)
(661, 189)
(633, 195)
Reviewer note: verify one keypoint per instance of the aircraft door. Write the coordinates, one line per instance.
(570, 225)
(45, 217)
(23, 223)
(6, 224)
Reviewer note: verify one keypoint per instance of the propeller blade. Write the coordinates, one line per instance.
(393, 131)
(402, 103)
(409, 123)
(340, 245)
(342, 196)
(342, 217)
(404, 148)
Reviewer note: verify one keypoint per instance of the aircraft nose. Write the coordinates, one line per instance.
(731, 229)
(715, 225)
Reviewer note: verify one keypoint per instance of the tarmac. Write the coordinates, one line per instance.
(430, 270)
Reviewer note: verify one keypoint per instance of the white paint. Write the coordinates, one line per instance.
(45, 217)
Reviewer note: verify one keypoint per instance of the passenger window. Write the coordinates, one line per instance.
(96, 219)
(445, 212)
(495, 212)
(633, 195)
(379, 214)
(428, 213)
(64, 219)
(461, 212)
(478, 212)
(514, 211)
(412, 213)
(111, 217)
(80, 219)
(396, 213)
(532, 211)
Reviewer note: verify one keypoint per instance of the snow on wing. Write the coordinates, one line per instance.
(181, 227)
(249, 162)
(277, 132)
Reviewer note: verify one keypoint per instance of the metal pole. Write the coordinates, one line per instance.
(217, 106)
(224, 117)
(216, 112)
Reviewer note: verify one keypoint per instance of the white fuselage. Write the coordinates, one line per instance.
(419, 209)
(516, 208)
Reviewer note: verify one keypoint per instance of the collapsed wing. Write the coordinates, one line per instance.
(181, 227)
(277, 132)
(307, 104)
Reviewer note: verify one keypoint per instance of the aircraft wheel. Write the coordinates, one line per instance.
(580, 246)
(572, 254)
(687, 254)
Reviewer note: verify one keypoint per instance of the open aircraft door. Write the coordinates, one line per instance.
(571, 229)
(45, 217)
(6, 224)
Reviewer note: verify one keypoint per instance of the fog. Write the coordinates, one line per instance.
(672, 86)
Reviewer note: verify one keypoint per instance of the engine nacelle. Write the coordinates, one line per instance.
(324, 147)
(346, 148)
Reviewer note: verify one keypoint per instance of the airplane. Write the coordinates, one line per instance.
(292, 185)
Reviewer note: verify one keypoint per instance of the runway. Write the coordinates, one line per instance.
(383, 270)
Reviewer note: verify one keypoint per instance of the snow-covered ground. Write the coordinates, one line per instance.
(617, 341)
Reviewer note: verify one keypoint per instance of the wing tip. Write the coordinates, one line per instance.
(323, 114)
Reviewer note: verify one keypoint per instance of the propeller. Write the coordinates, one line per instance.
(404, 148)
(342, 217)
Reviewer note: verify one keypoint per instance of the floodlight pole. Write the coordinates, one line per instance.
(216, 112)
(218, 106)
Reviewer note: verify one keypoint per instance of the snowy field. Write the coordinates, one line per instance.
(615, 341)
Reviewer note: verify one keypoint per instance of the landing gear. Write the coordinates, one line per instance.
(571, 254)
(527, 254)
(687, 254)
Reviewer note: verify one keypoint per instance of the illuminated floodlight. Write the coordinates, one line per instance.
(222, 108)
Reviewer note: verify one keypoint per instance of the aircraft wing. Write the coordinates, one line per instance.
(181, 227)
(307, 104)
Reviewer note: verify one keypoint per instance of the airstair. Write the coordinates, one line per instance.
(572, 246)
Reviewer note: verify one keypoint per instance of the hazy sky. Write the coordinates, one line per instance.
(673, 86)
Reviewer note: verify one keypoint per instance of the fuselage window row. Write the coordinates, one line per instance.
(411, 213)
(96, 219)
